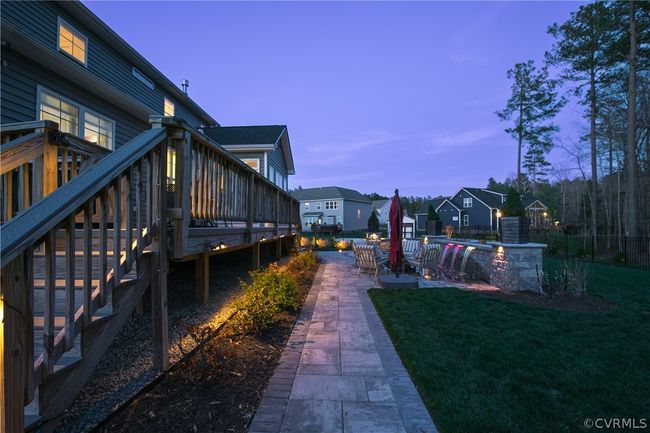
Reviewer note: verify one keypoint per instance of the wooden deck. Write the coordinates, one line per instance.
(70, 279)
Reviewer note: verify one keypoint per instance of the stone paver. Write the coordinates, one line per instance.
(340, 372)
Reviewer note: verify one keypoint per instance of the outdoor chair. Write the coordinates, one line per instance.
(368, 259)
(427, 259)
(411, 248)
(355, 244)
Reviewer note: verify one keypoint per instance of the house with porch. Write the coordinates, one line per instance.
(333, 205)
(109, 170)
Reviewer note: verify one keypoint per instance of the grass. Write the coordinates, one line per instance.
(485, 365)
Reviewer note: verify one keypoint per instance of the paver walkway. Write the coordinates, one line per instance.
(339, 371)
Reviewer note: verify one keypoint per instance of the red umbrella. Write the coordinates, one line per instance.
(395, 255)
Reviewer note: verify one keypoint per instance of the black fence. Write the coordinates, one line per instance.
(628, 251)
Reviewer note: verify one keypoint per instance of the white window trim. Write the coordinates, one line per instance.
(58, 41)
(82, 112)
(141, 77)
(465, 220)
(467, 200)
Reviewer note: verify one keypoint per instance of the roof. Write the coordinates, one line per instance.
(317, 214)
(251, 138)
(241, 135)
(80, 12)
(329, 192)
(424, 209)
(378, 204)
(528, 200)
(490, 198)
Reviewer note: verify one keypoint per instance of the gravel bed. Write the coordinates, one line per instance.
(127, 365)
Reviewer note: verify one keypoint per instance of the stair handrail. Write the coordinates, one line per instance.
(31, 225)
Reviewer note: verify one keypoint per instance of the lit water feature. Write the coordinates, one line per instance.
(443, 256)
(453, 259)
(468, 251)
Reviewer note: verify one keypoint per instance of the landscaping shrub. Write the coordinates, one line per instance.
(271, 291)
(342, 245)
(570, 280)
(322, 243)
(305, 242)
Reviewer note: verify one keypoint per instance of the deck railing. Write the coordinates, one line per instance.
(37, 159)
(71, 253)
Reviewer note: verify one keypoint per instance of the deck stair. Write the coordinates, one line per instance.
(85, 233)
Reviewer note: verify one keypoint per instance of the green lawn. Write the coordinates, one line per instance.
(484, 365)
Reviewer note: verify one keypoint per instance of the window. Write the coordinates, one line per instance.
(72, 42)
(168, 108)
(358, 214)
(331, 205)
(317, 205)
(59, 111)
(171, 166)
(310, 220)
(75, 119)
(467, 202)
(271, 176)
(339, 219)
(98, 129)
(466, 220)
(306, 205)
(142, 78)
(253, 163)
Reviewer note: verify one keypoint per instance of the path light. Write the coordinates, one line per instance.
(263, 239)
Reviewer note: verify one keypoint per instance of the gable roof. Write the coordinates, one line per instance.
(261, 137)
(329, 192)
(446, 200)
(491, 199)
(528, 200)
(424, 209)
(378, 204)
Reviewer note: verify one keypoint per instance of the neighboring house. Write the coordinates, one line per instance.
(264, 148)
(423, 212)
(476, 208)
(333, 205)
(382, 208)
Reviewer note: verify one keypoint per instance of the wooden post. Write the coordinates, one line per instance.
(251, 204)
(203, 278)
(182, 192)
(159, 248)
(50, 164)
(255, 256)
(13, 344)
(276, 213)
(278, 248)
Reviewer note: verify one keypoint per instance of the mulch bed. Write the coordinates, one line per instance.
(216, 389)
(585, 303)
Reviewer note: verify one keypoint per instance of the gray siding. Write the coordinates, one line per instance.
(276, 160)
(447, 213)
(39, 20)
(354, 220)
(18, 97)
(479, 213)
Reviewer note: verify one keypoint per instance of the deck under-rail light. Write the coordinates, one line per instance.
(263, 239)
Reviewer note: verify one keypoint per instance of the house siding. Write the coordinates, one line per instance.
(39, 20)
(447, 213)
(479, 213)
(276, 160)
(20, 80)
(350, 220)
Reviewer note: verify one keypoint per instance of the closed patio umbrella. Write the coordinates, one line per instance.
(396, 255)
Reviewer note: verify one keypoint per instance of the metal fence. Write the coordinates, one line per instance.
(628, 251)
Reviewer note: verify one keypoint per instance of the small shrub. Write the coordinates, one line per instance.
(449, 230)
(322, 243)
(255, 312)
(342, 245)
(571, 280)
(305, 242)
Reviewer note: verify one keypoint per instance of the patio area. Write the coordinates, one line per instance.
(340, 371)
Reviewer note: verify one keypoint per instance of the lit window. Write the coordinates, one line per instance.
(72, 42)
(467, 202)
(306, 205)
(98, 130)
(253, 163)
(466, 220)
(59, 111)
(331, 205)
(169, 108)
(171, 166)
(358, 214)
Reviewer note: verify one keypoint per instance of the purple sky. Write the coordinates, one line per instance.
(376, 95)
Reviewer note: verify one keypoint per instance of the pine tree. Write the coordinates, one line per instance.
(532, 105)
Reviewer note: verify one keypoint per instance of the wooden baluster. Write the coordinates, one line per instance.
(192, 178)
(69, 306)
(103, 227)
(73, 165)
(9, 191)
(26, 195)
(138, 208)
(206, 195)
(20, 200)
(117, 232)
(149, 193)
(128, 220)
(199, 182)
(251, 198)
(87, 271)
(64, 166)
(215, 179)
(50, 301)
(276, 222)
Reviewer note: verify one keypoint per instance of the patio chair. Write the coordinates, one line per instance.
(355, 244)
(411, 248)
(428, 258)
(368, 259)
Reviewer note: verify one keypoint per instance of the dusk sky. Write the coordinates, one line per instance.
(376, 95)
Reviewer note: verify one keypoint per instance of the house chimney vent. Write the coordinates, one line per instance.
(185, 84)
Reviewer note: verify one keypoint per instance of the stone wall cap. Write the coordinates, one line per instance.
(526, 245)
